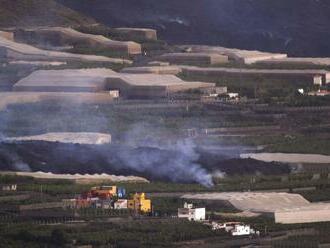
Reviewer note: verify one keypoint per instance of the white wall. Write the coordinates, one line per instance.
(199, 214)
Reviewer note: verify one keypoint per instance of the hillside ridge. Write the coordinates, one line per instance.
(22, 13)
(296, 27)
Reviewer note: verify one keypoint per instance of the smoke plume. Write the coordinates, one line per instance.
(174, 159)
(147, 150)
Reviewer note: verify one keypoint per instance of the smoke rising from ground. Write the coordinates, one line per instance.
(176, 159)
(143, 149)
(156, 151)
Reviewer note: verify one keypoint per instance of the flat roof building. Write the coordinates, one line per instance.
(11, 50)
(194, 58)
(173, 70)
(139, 33)
(314, 212)
(238, 55)
(151, 85)
(105, 80)
(12, 98)
(86, 138)
(120, 204)
(310, 76)
(139, 203)
(297, 61)
(158, 63)
(191, 213)
(75, 80)
(61, 36)
(285, 208)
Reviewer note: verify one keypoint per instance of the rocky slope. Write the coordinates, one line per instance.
(38, 13)
(299, 27)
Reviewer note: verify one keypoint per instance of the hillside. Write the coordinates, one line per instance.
(298, 27)
(38, 13)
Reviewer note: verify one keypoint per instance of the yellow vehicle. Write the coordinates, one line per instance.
(139, 203)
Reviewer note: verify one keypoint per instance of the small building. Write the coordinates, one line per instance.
(139, 203)
(104, 204)
(7, 35)
(120, 204)
(214, 93)
(241, 230)
(221, 90)
(9, 187)
(318, 80)
(191, 213)
(121, 192)
(114, 93)
(227, 226)
(319, 93)
(235, 228)
(158, 63)
(103, 192)
(301, 91)
(233, 95)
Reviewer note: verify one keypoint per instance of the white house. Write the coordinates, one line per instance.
(120, 204)
(11, 187)
(191, 213)
(235, 228)
(233, 95)
(114, 93)
(240, 230)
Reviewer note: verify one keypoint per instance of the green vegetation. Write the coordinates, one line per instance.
(66, 188)
(86, 65)
(305, 101)
(302, 144)
(311, 142)
(294, 143)
(56, 188)
(118, 118)
(166, 206)
(102, 227)
(322, 194)
(135, 233)
(265, 90)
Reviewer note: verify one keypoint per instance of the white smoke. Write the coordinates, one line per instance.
(175, 159)
(149, 150)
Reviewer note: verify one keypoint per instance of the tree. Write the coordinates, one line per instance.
(59, 237)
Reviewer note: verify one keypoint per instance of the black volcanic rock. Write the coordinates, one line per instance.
(149, 162)
(298, 27)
